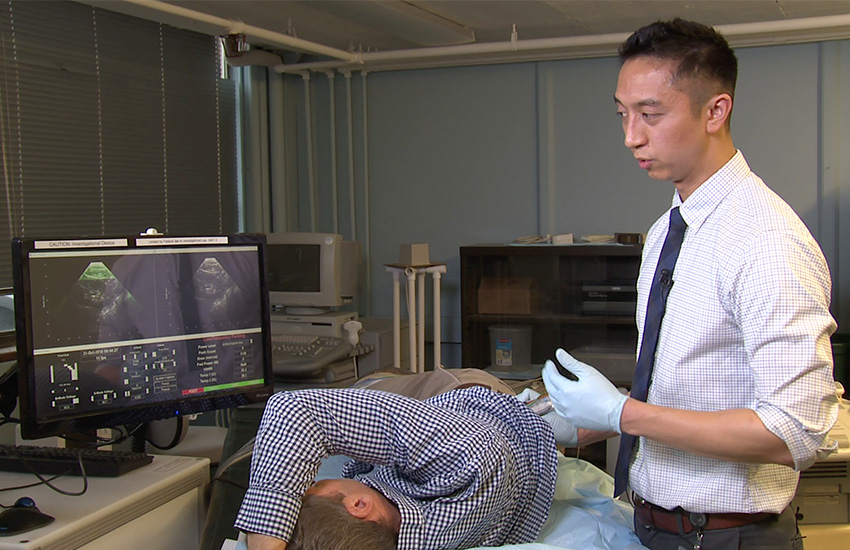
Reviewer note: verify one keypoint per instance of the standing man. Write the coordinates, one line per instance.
(740, 389)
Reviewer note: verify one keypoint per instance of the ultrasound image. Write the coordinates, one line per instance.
(99, 291)
(214, 286)
(118, 298)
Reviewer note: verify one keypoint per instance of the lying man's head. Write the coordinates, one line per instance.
(345, 514)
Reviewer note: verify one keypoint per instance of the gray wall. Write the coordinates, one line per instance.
(461, 156)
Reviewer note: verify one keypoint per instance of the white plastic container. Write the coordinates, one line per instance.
(510, 347)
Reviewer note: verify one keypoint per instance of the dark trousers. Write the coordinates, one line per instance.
(780, 533)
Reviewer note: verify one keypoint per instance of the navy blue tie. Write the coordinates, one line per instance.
(661, 284)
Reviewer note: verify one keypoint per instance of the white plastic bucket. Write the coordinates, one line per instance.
(510, 347)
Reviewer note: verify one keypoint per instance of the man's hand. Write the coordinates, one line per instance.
(590, 402)
(264, 542)
(565, 433)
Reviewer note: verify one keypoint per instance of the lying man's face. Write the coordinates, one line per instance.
(360, 500)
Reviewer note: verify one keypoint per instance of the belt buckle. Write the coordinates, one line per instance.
(698, 520)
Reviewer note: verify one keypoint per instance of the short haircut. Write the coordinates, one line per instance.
(324, 523)
(703, 55)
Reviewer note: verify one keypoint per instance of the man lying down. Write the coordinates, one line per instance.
(466, 468)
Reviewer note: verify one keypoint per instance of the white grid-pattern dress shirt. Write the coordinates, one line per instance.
(747, 325)
(466, 468)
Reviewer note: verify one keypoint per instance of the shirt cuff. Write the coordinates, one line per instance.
(268, 512)
(802, 444)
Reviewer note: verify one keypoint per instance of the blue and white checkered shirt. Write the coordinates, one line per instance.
(466, 468)
(747, 325)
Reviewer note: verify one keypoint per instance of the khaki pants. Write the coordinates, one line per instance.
(428, 384)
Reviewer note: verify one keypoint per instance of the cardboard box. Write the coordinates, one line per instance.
(507, 296)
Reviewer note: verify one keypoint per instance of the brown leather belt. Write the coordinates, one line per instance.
(682, 521)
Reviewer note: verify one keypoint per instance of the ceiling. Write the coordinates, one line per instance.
(307, 31)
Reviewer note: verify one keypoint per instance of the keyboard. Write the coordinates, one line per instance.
(65, 461)
(298, 354)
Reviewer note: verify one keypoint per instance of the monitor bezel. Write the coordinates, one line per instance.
(35, 427)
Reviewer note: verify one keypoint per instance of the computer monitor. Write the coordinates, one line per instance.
(121, 331)
(311, 273)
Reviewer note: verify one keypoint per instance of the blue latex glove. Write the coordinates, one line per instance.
(528, 395)
(565, 433)
(591, 402)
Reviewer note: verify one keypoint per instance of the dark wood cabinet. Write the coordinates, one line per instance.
(579, 297)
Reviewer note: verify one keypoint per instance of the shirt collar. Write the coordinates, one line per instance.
(411, 534)
(707, 196)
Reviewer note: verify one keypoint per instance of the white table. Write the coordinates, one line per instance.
(161, 505)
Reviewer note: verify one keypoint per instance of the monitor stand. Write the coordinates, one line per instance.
(9, 391)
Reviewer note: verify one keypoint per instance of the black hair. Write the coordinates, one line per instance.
(701, 51)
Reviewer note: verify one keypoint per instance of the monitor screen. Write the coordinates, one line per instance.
(295, 267)
(116, 331)
(312, 272)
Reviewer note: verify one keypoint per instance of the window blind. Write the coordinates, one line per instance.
(109, 125)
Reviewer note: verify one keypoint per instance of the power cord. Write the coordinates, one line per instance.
(47, 481)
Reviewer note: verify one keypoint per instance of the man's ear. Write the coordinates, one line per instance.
(719, 109)
(359, 506)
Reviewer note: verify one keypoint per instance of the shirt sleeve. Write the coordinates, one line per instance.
(301, 428)
(782, 304)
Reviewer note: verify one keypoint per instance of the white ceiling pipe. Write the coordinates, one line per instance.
(254, 58)
(227, 26)
(350, 141)
(787, 31)
(833, 27)
(333, 153)
(374, 60)
(308, 139)
(367, 201)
